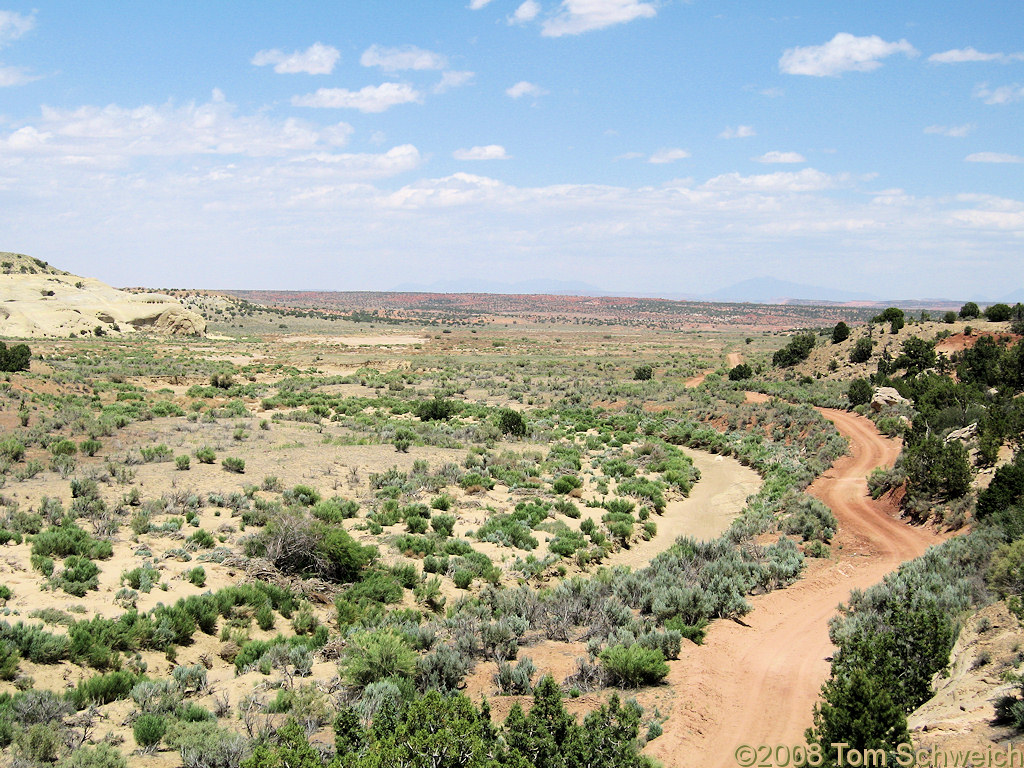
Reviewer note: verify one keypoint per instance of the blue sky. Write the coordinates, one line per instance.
(639, 146)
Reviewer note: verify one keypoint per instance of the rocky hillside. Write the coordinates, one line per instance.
(38, 300)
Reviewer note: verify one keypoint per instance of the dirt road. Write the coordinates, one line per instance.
(757, 682)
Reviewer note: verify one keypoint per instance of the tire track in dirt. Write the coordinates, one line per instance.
(757, 682)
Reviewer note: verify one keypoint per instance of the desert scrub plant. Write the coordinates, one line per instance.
(515, 680)
(142, 579)
(68, 539)
(632, 666)
(201, 539)
(149, 730)
(205, 455)
(78, 576)
(182, 462)
(234, 464)
(197, 576)
(374, 656)
(156, 453)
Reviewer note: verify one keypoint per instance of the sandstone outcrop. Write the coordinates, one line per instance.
(37, 300)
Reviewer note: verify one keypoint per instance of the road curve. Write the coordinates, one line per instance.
(756, 682)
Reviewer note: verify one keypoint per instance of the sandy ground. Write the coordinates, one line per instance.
(756, 682)
(356, 341)
(713, 503)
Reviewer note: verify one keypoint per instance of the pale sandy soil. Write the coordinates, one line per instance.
(356, 341)
(713, 504)
(756, 682)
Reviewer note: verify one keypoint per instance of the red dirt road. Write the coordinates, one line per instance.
(757, 682)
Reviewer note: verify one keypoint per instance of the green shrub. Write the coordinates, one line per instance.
(103, 689)
(437, 409)
(566, 484)
(840, 333)
(233, 464)
(182, 462)
(443, 525)
(79, 576)
(156, 453)
(632, 666)
(643, 373)
(90, 447)
(463, 579)
(202, 539)
(69, 539)
(100, 756)
(149, 730)
(63, 448)
(303, 495)
(205, 455)
(12, 449)
(197, 576)
(374, 656)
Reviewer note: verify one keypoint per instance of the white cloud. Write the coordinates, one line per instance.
(372, 98)
(525, 13)
(405, 57)
(961, 55)
(396, 160)
(1004, 94)
(577, 16)
(807, 180)
(663, 156)
(113, 136)
(489, 152)
(523, 88)
(11, 76)
(739, 132)
(476, 5)
(318, 59)
(843, 53)
(993, 157)
(13, 25)
(781, 157)
(953, 131)
(453, 79)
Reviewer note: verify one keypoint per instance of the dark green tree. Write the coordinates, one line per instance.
(861, 351)
(741, 372)
(643, 372)
(840, 333)
(857, 709)
(15, 358)
(998, 313)
(859, 392)
(969, 311)
(798, 350)
(511, 423)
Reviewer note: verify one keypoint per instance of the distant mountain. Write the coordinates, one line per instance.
(472, 285)
(768, 290)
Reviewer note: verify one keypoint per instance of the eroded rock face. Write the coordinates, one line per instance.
(34, 305)
(886, 396)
